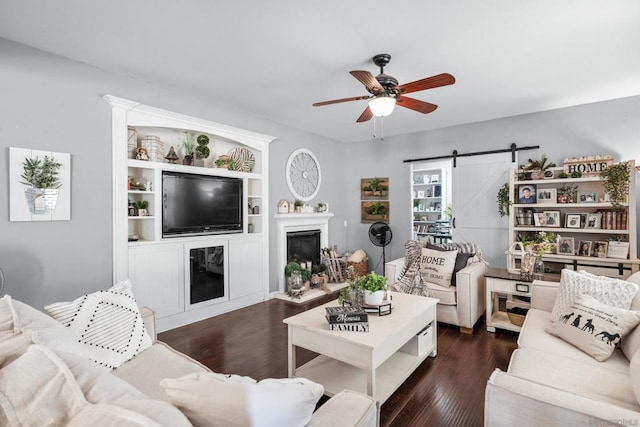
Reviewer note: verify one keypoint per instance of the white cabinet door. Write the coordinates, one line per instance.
(157, 275)
(245, 267)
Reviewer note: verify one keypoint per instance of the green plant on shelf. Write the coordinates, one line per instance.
(615, 180)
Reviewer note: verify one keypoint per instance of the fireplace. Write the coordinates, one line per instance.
(316, 223)
(303, 246)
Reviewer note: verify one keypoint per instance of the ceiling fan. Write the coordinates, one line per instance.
(386, 93)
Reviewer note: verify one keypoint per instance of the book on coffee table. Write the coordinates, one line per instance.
(350, 327)
(347, 314)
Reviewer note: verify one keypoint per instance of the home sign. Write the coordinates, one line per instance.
(588, 165)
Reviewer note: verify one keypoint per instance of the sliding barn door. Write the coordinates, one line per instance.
(476, 181)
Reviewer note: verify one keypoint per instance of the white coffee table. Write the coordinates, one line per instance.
(376, 362)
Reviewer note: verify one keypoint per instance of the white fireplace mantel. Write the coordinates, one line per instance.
(287, 223)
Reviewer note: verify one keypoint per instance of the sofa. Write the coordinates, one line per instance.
(554, 382)
(462, 301)
(46, 380)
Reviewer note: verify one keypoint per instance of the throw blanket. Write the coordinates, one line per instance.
(411, 281)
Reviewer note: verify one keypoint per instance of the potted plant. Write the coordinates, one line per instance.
(188, 147)
(374, 287)
(539, 168)
(225, 162)
(44, 185)
(298, 205)
(322, 207)
(202, 151)
(503, 200)
(615, 180)
(141, 207)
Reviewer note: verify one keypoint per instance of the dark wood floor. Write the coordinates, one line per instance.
(447, 390)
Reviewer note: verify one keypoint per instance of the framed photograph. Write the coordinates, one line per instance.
(584, 247)
(527, 194)
(547, 195)
(420, 194)
(552, 218)
(594, 220)
(539, 219)
(600, 249)
(619, 250)
(565, 246)
(583, 218)
(435, 178)
(573, 221)
(587, 197)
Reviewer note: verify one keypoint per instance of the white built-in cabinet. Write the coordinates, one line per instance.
(430, 188)
(160, 268)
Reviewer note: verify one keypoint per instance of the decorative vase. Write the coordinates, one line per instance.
(527, 263)
(295, 282)
(538, 267)
(373, 298)
(41, 200)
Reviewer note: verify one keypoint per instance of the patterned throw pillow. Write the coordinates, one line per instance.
(437, 266)
(594, 327)
(107, 324)
(613, 292)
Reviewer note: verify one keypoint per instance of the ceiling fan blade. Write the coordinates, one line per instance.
(415, 104)
(367, 79)
(365, 116)
(336, 101)
(428, 83)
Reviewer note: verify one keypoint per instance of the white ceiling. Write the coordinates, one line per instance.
(275, 58)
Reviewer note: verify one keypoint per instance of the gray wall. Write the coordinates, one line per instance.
(600, 128)
(51, 103)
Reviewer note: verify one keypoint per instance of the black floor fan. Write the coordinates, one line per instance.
(380, 235)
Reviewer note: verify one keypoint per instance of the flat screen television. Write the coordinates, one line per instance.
(200, 204)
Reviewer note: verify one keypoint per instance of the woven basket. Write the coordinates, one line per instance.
(516, 319)
(359, 268)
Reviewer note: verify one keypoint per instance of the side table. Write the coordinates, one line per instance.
(499, 282)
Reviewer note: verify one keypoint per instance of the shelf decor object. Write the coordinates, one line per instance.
(303, 174)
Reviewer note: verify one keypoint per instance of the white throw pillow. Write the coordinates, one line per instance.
(211, 399)
(437, 266)
(594, 327)
(609, 291)
(107, 323)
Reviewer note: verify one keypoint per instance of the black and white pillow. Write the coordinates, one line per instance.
(107, 324)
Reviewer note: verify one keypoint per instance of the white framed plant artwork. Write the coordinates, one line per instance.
(26, 204)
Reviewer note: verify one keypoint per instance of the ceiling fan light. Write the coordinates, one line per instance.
(382, 105)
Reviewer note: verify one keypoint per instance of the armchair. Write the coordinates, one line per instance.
(460, 305)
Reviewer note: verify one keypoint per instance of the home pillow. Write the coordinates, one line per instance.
(594, 327)
(211, 399)
(49, 395)
(613, 292)
(462, 260)
(107, 323)
(437, 266)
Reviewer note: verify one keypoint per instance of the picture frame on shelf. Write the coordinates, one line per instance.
(584, 247)
(527, 193)
(600, 249)
(587, 197)
(539, 219)
(552, 218)
(420, 194)
(594, 220)
(435, 179)
(573, 221)
(546, 195)
(618, 250)
(583, 218)
(566, 246)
